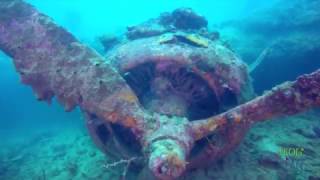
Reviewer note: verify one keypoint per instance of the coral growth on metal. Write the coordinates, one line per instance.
(171, 92)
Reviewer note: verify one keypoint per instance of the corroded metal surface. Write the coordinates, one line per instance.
(54, 63)
(288, 98)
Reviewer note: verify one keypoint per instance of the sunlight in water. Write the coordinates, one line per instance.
(89, 20)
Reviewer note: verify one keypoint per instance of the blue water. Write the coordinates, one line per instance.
(291, 29)
(21, 112)
(87, 20)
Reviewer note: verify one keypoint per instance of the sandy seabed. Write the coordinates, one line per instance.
(70, 154)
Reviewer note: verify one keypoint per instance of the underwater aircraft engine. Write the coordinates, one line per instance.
(181, 74)
(170, 96)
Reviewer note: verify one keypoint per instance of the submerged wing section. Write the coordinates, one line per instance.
(54, 63)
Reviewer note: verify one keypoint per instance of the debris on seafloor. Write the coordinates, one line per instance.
(269, 159)
(316, 131)
(183, 19)
(109, 41)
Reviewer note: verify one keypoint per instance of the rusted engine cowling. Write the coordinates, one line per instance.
(142, 100)
(178, 74)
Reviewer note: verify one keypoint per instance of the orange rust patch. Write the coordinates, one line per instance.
(112, 117)
(128, 96)
(212, 126)
(209, 126)
(130, 122)
(237, 117)
(198, 133)
(221, 120)
(175, 161)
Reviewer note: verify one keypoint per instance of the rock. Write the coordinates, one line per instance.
(280, 19)
(186, 18)
(309, 152)
(215, 35)
(305, 134)
(92, 154)
(284, 175)
(81, 151)
(300, 52)
(108, 41)
(255, 137)
(147, 29)
(55, 172)
(316, 131)
(59, 148)
(289, 29)
(270, 160)
(3, 168)
(313, 178)
(183, 19)
(72, 168)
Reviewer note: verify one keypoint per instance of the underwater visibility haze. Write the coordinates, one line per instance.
(159, 90)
